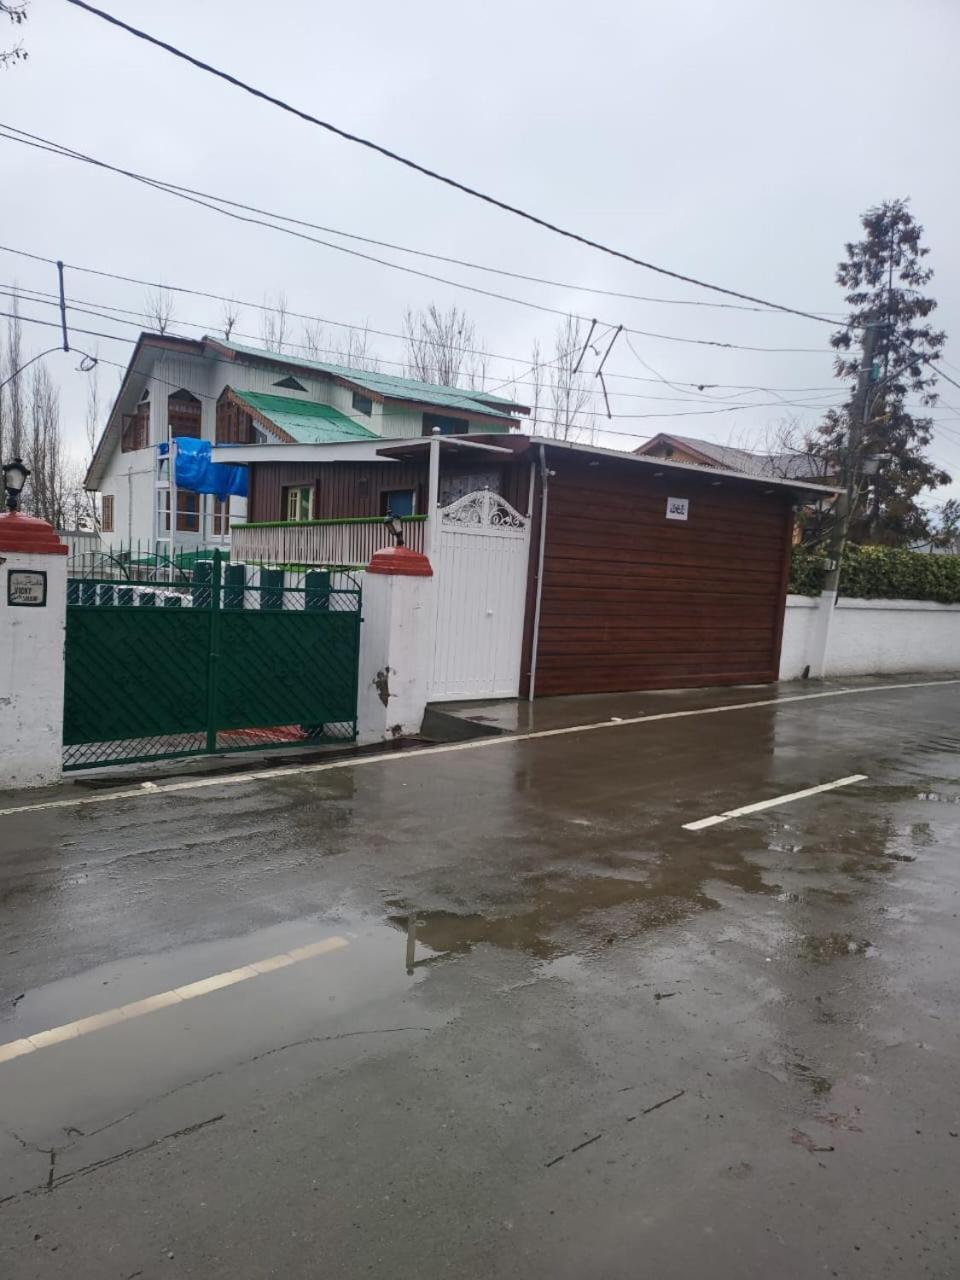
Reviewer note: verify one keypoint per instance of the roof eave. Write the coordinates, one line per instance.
(689, 468)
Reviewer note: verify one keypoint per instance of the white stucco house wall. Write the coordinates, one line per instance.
(217, 390)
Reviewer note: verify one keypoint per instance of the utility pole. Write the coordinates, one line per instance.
(859, 410)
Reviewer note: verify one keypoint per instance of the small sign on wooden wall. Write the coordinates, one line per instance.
(678, 508)
(27, 587)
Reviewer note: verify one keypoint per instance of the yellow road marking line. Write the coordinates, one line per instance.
(139, 1008)
(474, 744)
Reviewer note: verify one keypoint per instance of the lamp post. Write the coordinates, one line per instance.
(395, 526)
(14, 478)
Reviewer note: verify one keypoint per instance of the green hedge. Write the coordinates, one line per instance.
(880, 573)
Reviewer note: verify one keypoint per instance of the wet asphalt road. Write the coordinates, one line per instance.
(609, 1047)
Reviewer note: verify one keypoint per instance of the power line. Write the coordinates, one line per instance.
(542, 422)
(431, 173)
(181, 193)
(594, 413)
(932, 361)
(401, 248)
(298, 315)
(85, 307)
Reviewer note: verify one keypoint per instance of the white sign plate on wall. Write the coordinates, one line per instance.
(25, 587)
(678, 508)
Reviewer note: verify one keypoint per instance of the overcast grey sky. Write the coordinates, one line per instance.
(734, 140)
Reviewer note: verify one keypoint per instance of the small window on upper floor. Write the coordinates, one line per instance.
(135, 428)
(184, 412)
(445, 425)
(363, 404)
(290, 384)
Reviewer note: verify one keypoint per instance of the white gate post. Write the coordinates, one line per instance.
(33, 606)
(432, 532)
(396, 645)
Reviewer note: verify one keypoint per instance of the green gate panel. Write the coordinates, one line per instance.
(234, 584)
(271, 588)
(317, 589)
(133, 674)
(287, 668)
(153, 674)
(201, 590)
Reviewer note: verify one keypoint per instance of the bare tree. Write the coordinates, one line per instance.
(229, 317)
(45, 452)
(86, 510)
(313, 339)
(441, 346)
(159, 309)
(273, 322)
(786, 450)
(17, 13)
(76, 500)
(567, 394)
(14, 416)
(475, 367)
(537, 384)
(355, 349)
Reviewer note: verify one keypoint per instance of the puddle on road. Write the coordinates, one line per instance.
(355, 997)
(834, 946)
(371, 948)
(610, 895)
(586, 908)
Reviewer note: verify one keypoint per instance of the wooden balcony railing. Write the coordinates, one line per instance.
(349, 542)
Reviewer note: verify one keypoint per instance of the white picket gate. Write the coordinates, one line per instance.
(481, 553)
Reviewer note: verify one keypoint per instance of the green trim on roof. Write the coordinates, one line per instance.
(305, 420)
(388, 385)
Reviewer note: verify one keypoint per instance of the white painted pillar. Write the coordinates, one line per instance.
(432, 533)
(820, 635)
(396, 645)
(33, 610)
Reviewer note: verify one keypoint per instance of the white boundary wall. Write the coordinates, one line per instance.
(869, 637)
(31, 675)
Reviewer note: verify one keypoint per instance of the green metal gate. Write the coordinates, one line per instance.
(207, 657)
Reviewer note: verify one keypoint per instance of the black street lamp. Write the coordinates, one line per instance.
(14, 478)
(395, 525)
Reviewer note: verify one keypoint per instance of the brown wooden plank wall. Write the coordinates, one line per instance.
(632, 600)
(345, 489)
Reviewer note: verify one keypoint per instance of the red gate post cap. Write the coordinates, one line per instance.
(403, 561)
(30, 535)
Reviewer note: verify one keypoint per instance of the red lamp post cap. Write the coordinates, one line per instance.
(401, 561)
(28, 534)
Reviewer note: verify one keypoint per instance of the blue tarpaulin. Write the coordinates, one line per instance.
(196, 472)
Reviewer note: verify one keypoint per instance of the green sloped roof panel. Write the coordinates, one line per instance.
(305, 420)
(387, 384)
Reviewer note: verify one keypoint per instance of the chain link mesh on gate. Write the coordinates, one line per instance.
(183, 655)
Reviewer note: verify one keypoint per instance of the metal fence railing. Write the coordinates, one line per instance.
(320, 542)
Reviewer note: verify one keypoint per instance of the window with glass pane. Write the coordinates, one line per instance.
(398, 502)
(188, 511)
(221, 516)
(300, 502)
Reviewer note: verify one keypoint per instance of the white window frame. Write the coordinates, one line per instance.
(295, 513)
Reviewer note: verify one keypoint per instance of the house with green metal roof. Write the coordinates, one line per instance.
(228, 393)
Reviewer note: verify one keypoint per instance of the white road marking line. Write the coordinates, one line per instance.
(770, 804)
(475, 744)
(126, 1013)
